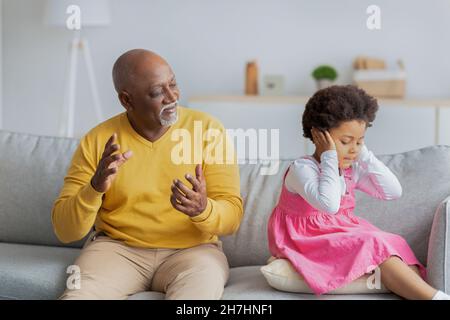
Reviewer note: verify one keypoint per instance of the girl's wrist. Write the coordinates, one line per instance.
(364, 155)
(329, 153)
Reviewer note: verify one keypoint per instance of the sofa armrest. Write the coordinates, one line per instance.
(438, 261)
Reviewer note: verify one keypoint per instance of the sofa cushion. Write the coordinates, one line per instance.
(425, 178)
(248, 283)
(32, 172)
(34, 272)
(147, 295)
(281, 275)
(438, 269)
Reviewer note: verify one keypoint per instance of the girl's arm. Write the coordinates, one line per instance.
(375, 179)
(322, 190)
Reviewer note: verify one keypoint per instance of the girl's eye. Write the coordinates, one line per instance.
(344, 143)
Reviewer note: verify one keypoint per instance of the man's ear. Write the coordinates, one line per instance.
(125, 100)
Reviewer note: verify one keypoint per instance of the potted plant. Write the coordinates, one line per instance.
(324, 76)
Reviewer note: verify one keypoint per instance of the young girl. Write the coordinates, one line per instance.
(313, 225)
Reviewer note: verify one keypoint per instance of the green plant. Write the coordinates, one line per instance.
(324, 72)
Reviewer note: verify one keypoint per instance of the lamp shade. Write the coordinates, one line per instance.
(92, 12)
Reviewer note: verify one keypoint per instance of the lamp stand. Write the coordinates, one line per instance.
(68, 114)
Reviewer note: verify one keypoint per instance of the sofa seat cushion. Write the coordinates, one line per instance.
(34, 272)
(248, 283)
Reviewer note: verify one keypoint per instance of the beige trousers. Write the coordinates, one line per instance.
(110, 269)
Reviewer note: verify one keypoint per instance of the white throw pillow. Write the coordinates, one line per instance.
(280, 275)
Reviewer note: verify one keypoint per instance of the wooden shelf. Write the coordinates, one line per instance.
(304, 99)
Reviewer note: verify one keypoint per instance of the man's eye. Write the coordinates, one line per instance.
(173, 85)
(156, 93)
(344, 143)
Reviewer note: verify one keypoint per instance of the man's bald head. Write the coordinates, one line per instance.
(133, 64)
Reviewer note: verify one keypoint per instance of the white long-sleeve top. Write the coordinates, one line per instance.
(323, 189)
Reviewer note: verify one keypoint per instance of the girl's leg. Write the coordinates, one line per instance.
(405, 281)
(415, 269)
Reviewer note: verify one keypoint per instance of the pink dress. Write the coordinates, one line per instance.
(331, 250)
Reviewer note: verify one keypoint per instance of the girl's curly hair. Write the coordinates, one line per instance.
(328, 107)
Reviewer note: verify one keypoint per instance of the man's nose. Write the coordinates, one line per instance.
(170, 96)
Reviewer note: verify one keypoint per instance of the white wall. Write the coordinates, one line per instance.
(208, 42)
(1, 65)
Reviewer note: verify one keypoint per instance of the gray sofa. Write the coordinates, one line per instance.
(33, 262)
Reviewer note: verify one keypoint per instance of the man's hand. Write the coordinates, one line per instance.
(323, 141)
(109, 165)
(193, 201)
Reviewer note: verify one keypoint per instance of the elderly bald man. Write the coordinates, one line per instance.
(157, 220)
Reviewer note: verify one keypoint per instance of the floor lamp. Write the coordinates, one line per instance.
(90, 13)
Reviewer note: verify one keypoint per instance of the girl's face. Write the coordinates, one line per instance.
(349, 139)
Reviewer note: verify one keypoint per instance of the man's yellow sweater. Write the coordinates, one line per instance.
(137, 209)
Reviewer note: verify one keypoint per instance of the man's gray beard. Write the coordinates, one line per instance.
(173, 117)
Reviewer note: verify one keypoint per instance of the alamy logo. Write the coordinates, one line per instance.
(74, 280)
(374, 280)
(374, 20)
(214, 146)
(73, 22)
